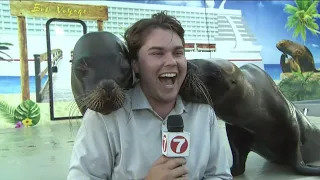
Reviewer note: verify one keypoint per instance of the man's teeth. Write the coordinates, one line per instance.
(168, 75)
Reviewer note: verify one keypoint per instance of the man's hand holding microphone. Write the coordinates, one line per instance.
(175, 146)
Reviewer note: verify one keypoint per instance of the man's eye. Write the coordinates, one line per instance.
(157, 53)
(179, 53)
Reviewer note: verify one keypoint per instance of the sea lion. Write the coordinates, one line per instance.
(300, 53)
(258, 116)
(100, 72)
(288, 64)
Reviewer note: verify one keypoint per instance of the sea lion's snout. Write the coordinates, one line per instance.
(106, 97)
(282, 46)
(233, 81)
(108, 85)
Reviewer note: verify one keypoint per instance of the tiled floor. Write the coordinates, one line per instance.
(43, 152)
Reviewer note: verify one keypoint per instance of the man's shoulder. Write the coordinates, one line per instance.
(194, 107)
(196, 111)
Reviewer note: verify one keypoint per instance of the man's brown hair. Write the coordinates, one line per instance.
(135, 35)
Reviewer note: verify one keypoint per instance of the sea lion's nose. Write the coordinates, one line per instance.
(107, 84)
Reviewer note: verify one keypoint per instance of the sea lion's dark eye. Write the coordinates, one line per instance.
(81, 67)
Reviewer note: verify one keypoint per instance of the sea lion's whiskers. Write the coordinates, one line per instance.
(72, 108)
(204, 91)
(98, 100)
(82, 99)
(196, 84)
(118, 101)
(93, 98)
(120, 94)
(72, 111)
(98, 104)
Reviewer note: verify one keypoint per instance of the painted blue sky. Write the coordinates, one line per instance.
(266, 19)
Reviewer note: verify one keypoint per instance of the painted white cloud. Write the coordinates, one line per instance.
(210, 3)
(260, 5)
(193, 3)
(315, 45)
(275, 2)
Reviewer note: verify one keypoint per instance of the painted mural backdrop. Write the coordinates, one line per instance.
(292, 63)
(288, 32)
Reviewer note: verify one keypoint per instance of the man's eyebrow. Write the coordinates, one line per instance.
(162, 48)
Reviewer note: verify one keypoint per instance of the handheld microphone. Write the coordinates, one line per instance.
(175, 142)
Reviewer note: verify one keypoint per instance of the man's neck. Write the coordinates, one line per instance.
(162, 109)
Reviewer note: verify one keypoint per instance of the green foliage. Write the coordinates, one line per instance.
(302, 17)
(4, 46)
(300, 87)
(27, 109)
(7, 111)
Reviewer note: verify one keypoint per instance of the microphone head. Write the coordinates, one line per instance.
(175, 123)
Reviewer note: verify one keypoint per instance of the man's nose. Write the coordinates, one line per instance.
(170, 60)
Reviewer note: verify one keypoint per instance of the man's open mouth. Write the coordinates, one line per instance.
(168, 79)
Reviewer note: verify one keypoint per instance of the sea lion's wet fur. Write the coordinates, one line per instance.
(100, 72)
(299, 53)
(258, 116)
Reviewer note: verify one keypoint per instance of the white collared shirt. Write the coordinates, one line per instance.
(124, 144)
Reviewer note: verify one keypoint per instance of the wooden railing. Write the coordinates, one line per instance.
(39, 75)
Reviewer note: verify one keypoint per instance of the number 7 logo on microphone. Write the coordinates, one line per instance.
(175, 144)
(179, 144)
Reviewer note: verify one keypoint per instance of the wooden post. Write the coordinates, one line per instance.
(41, 9)
(37, 71)
(24, 69)
(100, 25)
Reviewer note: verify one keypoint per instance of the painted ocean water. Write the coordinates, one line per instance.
(274, 70)
(11, 84)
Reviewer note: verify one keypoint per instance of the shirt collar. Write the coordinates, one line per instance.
(139, 101)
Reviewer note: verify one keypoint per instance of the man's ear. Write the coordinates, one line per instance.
(135, 66)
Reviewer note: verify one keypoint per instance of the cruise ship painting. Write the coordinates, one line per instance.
(211, 33)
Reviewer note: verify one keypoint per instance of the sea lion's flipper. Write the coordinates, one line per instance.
(240, 141)
(300, 166)
(297, 160)
(284, 66)
(316, 70)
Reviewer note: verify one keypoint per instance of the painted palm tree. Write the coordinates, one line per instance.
(303, 17)
(4, 46)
